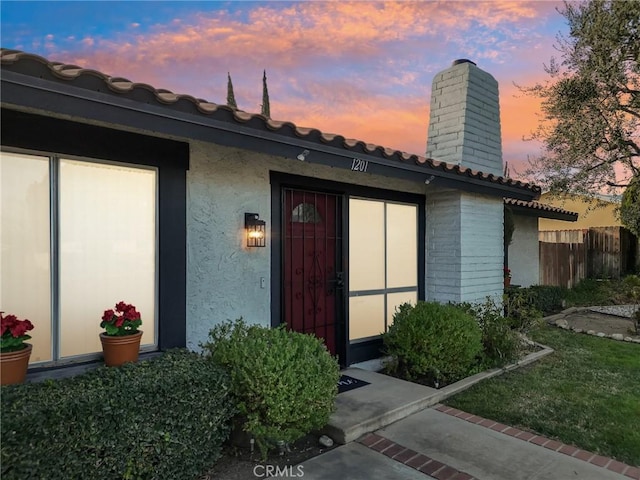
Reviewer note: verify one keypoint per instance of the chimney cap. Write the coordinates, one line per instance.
(462, 60)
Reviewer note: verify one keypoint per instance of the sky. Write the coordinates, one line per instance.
(361, 69)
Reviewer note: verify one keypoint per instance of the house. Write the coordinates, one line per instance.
(197, 213)
(523, 256)
(590, 214)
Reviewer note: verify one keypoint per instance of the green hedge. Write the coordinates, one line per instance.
(284, 382)
(500, 343)
(432, 343)
(158, 419)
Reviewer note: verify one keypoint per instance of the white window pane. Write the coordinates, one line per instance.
(107, 249)
(366, 245)
(25, 275)
(402, 245)
(366, 316)
(396, 299)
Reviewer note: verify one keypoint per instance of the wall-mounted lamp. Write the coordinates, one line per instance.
(256, 230)
(303, 156)
(429, 180)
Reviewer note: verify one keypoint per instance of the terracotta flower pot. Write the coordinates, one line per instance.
(120, 349)
(13, 365)
(507, 282)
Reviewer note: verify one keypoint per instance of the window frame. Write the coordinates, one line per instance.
(29, 133)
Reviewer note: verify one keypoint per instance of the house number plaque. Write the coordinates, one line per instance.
(358, 165)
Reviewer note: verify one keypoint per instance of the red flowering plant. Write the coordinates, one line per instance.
(125, 320)
(507, 272)
(14, 333)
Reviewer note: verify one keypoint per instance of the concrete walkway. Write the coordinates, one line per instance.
(402, 432)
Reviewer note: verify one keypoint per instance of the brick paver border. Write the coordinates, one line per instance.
(554, 445)
(412, 459)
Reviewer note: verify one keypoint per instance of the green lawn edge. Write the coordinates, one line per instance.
(587, 394)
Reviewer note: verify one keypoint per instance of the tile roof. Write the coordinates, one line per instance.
(542, 209)
(31, 64)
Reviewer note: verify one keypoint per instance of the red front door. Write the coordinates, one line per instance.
(311, 253)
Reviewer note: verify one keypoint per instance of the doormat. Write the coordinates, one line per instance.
(347, 383)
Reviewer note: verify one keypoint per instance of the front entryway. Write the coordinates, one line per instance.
(312, 265)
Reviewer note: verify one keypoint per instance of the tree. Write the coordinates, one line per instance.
(266, 109)
(590, 126)
(231, 98)
(630, 206)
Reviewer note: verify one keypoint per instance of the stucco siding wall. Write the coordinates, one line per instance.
(523, 252)
(223, 275)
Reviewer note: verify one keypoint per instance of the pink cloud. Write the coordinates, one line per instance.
(385, 53)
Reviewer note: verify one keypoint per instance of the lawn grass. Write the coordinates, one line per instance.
(587, 393)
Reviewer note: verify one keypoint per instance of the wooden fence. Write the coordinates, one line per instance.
(568, 256)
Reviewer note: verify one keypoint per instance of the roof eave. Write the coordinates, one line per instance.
(534, 212)
(25, 92)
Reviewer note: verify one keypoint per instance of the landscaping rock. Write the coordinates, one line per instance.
(591, 332)
(617, 336)
(578, 330)
(554, 318)
(325, 441)
(562, 323)
(601, 335)
(617, 310)
(570, 310)
(628, 339)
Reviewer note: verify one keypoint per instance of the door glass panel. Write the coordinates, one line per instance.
(402, 245)
(25, 273)
(366, 316)
(305, 213)
(107, 249)
(366, 245)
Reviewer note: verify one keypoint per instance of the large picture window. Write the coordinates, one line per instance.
(383, 264)
(76, 237)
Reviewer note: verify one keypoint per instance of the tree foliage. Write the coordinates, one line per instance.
(630, 206)
(590, 105)
(231, 98)
(266, 108)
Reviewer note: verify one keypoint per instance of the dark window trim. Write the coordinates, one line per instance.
(64, 137)
(281, 180)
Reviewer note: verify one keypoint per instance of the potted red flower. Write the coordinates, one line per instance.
(507, 277)
(14, 352)
(121, 339)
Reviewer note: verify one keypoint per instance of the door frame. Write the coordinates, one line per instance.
(358, 352)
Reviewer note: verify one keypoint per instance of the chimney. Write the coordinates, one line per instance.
(464, 119)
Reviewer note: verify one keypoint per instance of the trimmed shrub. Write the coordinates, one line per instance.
(431, 342)
(500, 344)
(590, 291)
(547, 298)
(284, 382)
(520, 309)
(159, 419)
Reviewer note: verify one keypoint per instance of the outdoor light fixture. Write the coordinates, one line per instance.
(429, 180)
(256, 235)
(303, 156)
